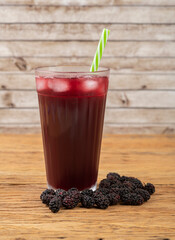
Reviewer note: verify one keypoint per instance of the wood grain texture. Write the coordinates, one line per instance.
(113, 128)
(117, 65)
(140, 81)
(22, 179)
(90, 2)
(67, 31)
(117, 99)
(140, 53)
(86, 49)
(25, 81)
(112, 115)
(17, 81)
(94, 14)
(131, 128)
(141, 99)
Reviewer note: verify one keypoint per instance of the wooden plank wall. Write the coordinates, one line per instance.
(140, 53)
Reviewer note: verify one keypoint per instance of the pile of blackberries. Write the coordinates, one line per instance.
(112, 190)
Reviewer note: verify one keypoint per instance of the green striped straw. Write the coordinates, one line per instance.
(100, 49)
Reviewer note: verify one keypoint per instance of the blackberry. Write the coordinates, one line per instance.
(113, 176)
(136, 181)
(115, 190)
(47, 195)
(87, 201)
(47, 191)
(60, 192)
(88, 192)
(145, 194)
(128, 184)
(104, 191)
(112, 190)
(47, 198)
(73, 192)
(150, 188)
(113, 198)
(97, 193)
(132, 199)
(55, 204)
(124, 191)
(70, 202)
(116, 184)
(105, 183)
(124, 178)
(101, 200)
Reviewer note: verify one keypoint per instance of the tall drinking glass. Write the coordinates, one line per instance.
(72, 106)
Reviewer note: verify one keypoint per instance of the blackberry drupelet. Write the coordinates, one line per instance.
(97, 193)
(115, 190)
(87, 201)
(132, 199)
(73, 192)
(105, 183)
(123, 178)
(104, 191)
(88, 192)
(70, 202)
(113, 176)
(136, 181)
(129, 185)
(117, 183)
(101, 200)
(123, 191)
(113, 198)
(150, 188)
(47, 191)
(60, 192)
(145, 194)
(55, 204)
(47, 195)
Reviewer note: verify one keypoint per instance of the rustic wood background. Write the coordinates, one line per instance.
(140, 53)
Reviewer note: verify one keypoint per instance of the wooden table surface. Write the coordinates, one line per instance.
(22, 178)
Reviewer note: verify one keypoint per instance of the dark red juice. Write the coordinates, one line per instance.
(72, 115)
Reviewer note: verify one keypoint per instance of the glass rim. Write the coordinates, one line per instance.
(55, 70)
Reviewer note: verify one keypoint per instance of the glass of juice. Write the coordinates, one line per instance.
(72, 106)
